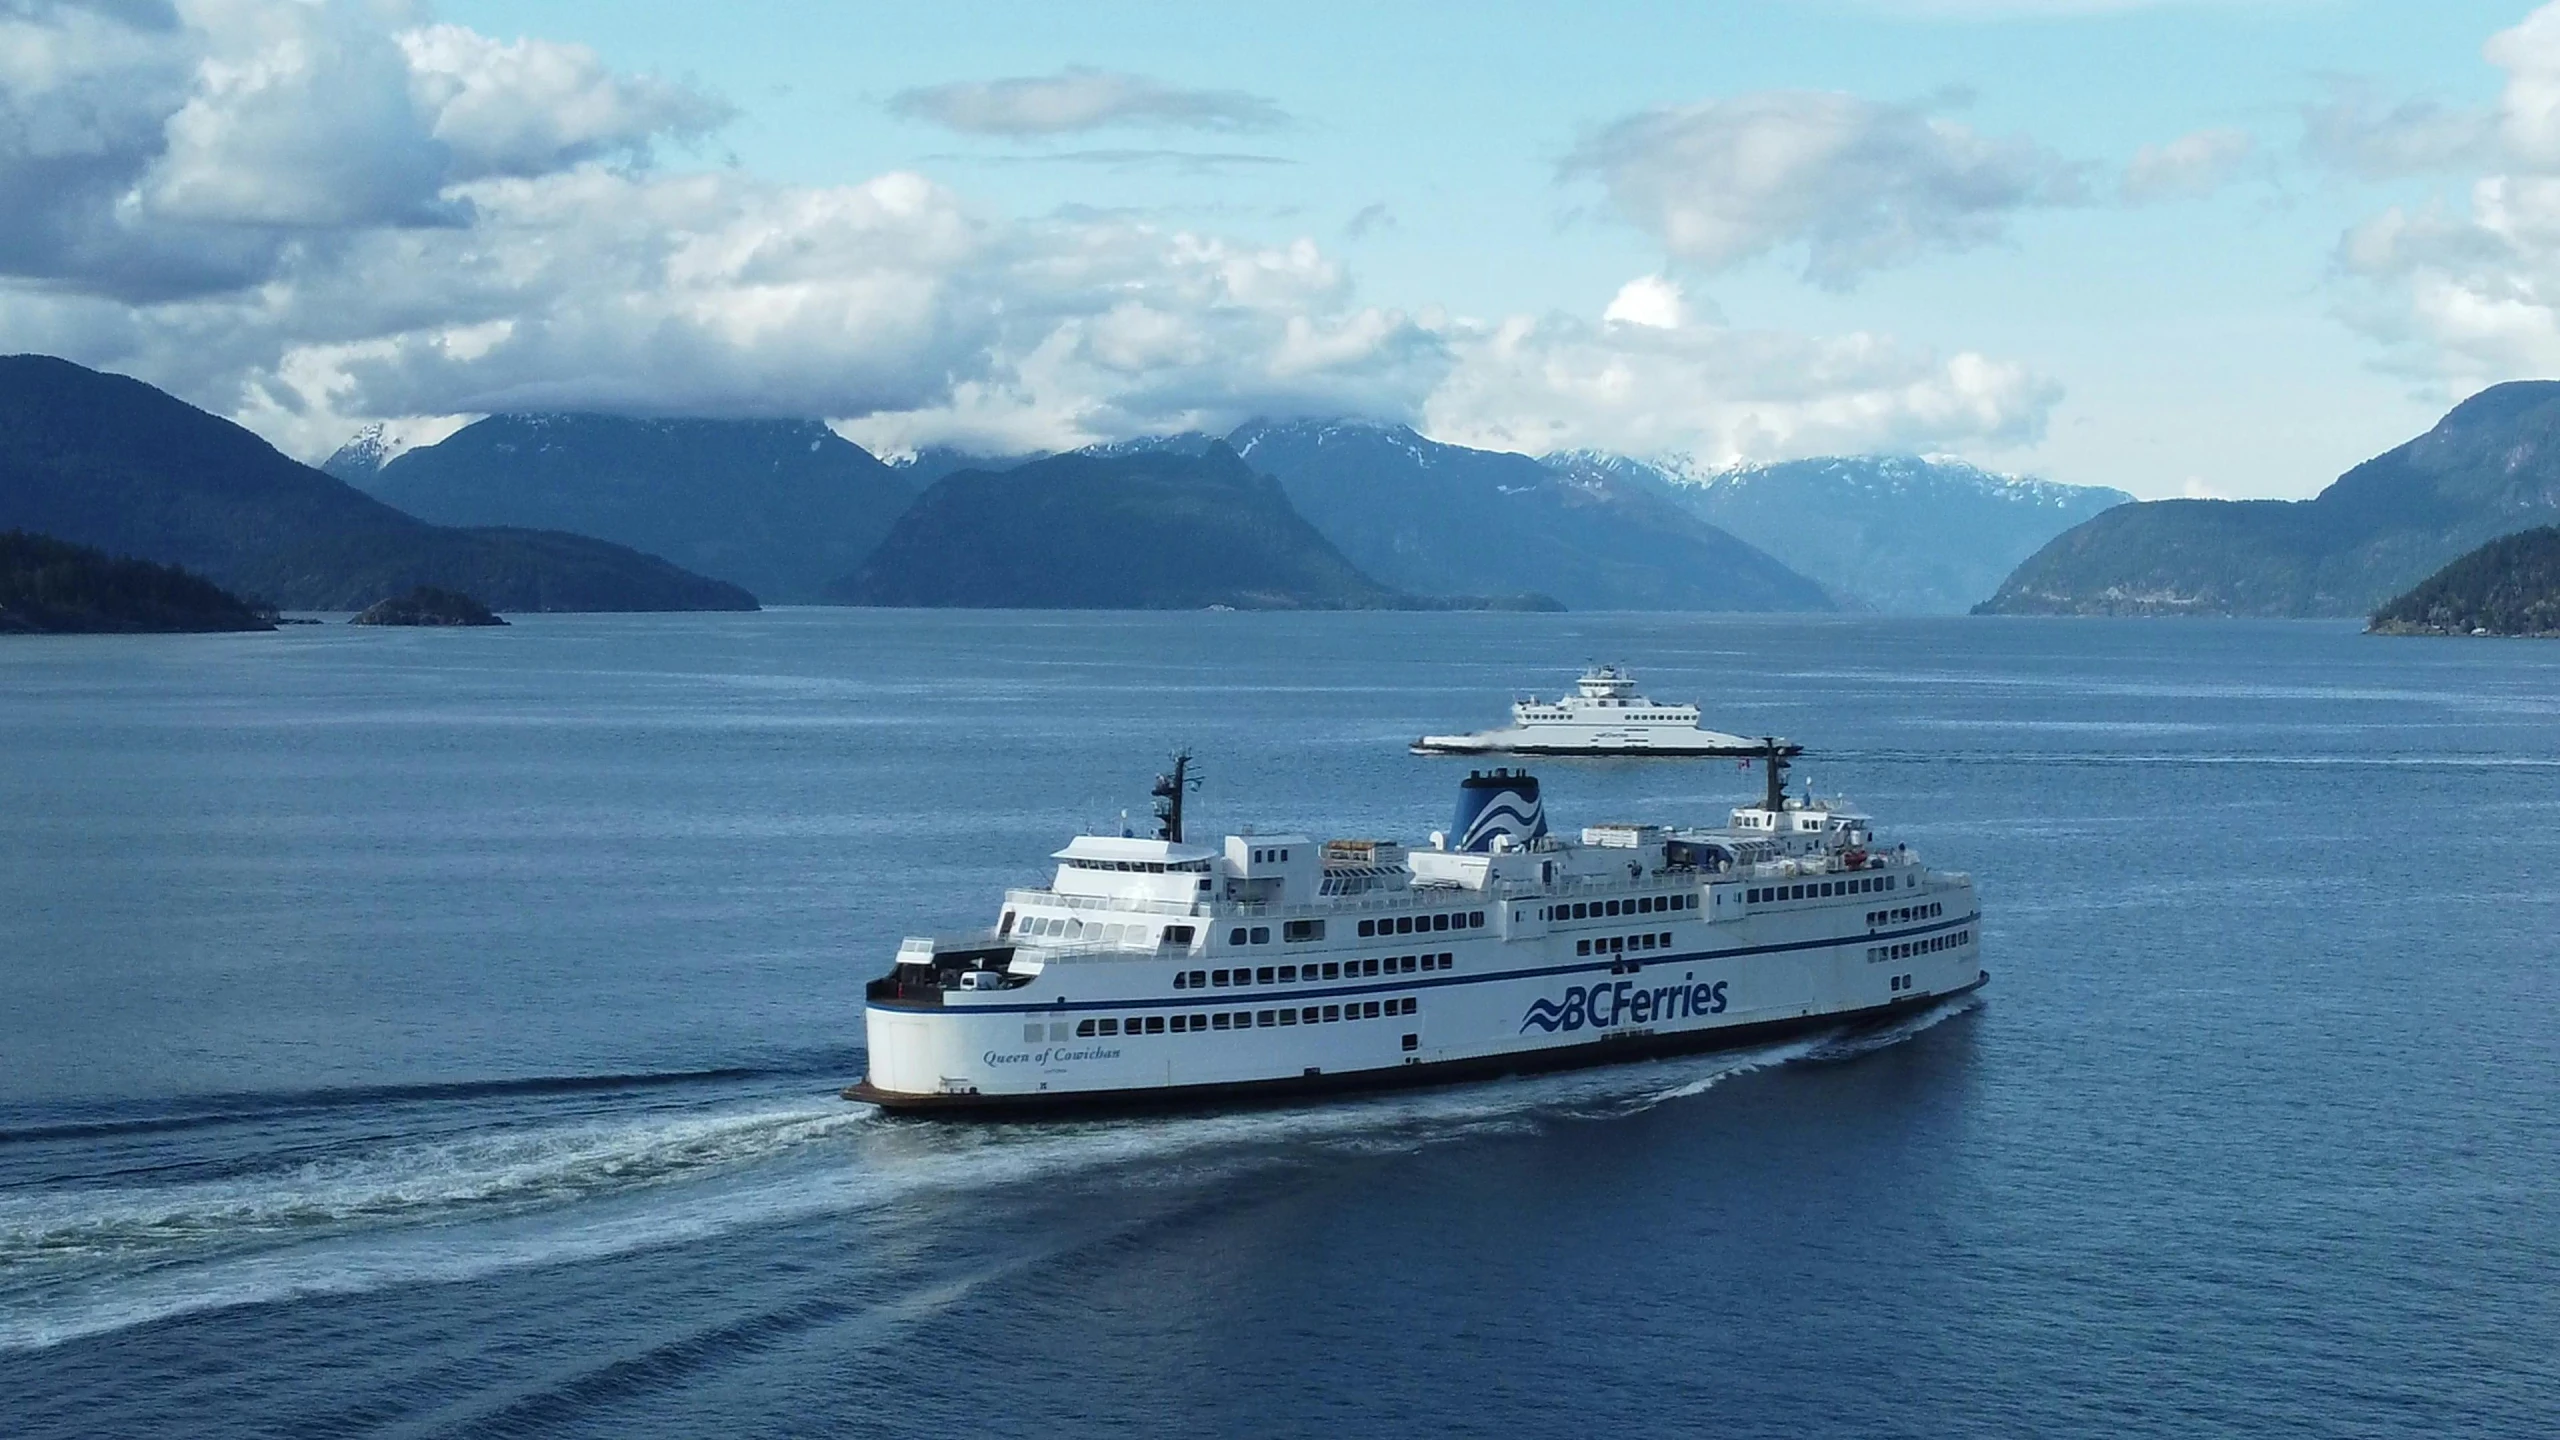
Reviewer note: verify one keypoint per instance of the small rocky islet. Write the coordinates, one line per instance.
(427, 605)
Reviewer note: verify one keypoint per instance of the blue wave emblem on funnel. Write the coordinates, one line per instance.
(1495, 803)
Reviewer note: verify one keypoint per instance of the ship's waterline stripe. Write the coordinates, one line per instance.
(1231, 998)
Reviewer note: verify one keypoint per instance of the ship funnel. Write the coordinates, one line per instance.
(1497, 802)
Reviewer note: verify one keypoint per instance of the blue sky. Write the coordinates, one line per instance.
(1414, 212)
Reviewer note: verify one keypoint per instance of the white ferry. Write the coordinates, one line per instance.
(1604, 717)
(1157, 971)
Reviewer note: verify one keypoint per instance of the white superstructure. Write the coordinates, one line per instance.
(1155, 970)
(1605, 716)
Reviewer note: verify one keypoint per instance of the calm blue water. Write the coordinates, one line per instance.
(419, 1034)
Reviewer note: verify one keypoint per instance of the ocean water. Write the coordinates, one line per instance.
(437, 1034)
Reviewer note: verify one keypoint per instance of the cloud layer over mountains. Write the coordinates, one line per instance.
(310, 214)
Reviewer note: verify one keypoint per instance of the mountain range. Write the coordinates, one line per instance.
(109, 462)
(2490, 467)
(1135, 531)
(1440, 519)
(781, 507)
(1359, 514)
(1894, 533)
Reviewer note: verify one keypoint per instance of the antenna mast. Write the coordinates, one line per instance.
(1776, 755)
(1169, 790)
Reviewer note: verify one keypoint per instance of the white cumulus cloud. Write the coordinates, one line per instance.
(314, 215)
(1081, 98)
(2359, 132)
(1722, 395)
(1648, 300)
(2189, 167)
(2472, 295)
(1857, 184)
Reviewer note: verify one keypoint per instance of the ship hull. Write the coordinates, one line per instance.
(1668, 750)
(1611, 1048)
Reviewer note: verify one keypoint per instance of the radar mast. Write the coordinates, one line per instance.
(1169, 790)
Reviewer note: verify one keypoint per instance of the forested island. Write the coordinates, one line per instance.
(2510, 586)
(427, 605)
(53, 587)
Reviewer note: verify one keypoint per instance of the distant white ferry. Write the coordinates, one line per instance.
(1156, 971)
(1605, 717)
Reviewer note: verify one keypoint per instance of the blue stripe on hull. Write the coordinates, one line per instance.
(1608, 1050)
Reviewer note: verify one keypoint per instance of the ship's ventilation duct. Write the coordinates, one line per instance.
(1497, 802)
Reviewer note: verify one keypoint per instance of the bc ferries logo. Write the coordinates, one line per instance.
(1624, 1002)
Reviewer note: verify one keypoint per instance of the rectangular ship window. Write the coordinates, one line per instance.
(1288, 1017)
(1155, 1024)
(1261, 934)
(1218, 1021)
(1333, 1012)
(1262, 976)
(1332, 971)
(1110, 1027)
(1581, 947)
(1368, 928)
(1369, 1011)
(1288, 974)
(1084, 1029)
(1298, 931)
(1368, 967)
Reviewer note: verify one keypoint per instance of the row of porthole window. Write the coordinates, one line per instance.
(1237, 1019)
(1820, 889)
(1312, 972)
(1877, 954)
(1906, 912)
(1422, 924)
(1618, 944)
(1600, 909)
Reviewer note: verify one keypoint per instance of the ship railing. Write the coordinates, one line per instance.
(1080, 951)
(924, 949)
(1132, 905)
(1421, 896)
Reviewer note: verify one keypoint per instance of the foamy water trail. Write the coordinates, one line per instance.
(87, 1260)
